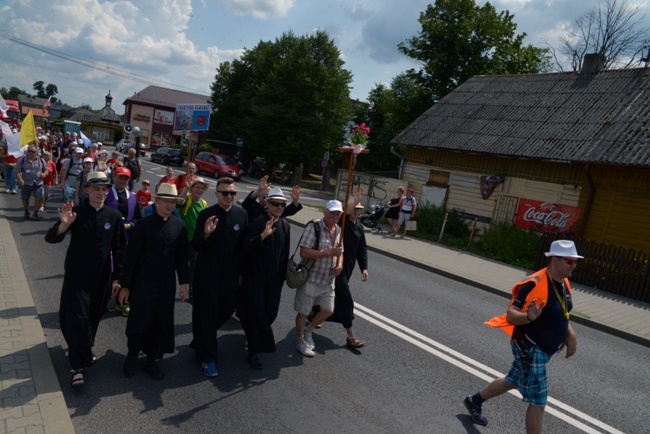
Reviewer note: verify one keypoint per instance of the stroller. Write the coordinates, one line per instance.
(371, 220)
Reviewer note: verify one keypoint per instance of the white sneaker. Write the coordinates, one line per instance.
(309, 339)
(304, 349)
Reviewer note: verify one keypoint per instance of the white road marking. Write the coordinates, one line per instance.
(478, 369)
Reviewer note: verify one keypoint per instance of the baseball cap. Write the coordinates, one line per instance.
(334, 205)
(122, 171)
(88, 160)
(78, 151)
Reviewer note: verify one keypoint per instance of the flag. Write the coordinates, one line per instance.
(87, 142)
(28, 130)
(3, 107)
(6, 129)
(46, 108)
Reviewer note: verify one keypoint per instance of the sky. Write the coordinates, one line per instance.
(131, 44)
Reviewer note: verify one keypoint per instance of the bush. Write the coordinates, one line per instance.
(430, 219)
(507, 243)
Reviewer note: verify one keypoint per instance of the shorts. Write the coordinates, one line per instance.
(528, 374)
(311, 294)
(26, 191)
(46, 190)
(403, 218)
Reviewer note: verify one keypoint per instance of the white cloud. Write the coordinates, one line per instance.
(263, 9)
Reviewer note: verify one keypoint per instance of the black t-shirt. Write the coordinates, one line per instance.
(133, 166)
(549, 330)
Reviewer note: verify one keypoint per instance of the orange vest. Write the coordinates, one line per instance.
(540, 292)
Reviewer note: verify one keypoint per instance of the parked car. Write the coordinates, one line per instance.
(123, 146)
(217, 165)
(166, 155)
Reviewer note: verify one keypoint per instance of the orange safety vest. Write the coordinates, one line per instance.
(540, 292)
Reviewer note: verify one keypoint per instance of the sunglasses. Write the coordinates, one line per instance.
(569, 261)
(276, 204)
(227, 193)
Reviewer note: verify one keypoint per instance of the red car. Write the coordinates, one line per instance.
(217, 165)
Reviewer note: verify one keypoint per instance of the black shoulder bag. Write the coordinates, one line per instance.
(297, 274)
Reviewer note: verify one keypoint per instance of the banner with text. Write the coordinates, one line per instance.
(192, 117)
(544, 216)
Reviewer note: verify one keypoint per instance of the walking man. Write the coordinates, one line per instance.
(30, 171)
(319, 288)
(94, 256)
(267, 254)
(538, 322)
(132, 163)
(356, 250)
(218, 239)
(155, 257)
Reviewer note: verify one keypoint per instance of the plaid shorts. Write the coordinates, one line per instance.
(528, 374)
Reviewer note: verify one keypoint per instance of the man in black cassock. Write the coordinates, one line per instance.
(267, 253)
(156, 254)
(255, 203)
(95, 252)
(218, 239)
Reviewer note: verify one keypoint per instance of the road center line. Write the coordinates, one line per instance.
(477, 369)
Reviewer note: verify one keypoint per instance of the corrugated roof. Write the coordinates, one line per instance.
(161, 96)
(602, 117)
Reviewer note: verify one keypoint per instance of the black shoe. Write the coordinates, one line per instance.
(475, 412)
(130, 365)
(255, 362)
(154, 371)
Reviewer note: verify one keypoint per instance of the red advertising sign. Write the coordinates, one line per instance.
(544, 216)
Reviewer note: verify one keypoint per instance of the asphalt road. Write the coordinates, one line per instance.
(427, 348)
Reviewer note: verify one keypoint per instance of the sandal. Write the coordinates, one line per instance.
(93, 359)
(77, 381)
(354, 343)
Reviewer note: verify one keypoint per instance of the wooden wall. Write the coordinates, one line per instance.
(620, 212)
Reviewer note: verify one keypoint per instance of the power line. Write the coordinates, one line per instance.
(93, 65)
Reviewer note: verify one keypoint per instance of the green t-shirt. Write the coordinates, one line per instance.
(189, 211)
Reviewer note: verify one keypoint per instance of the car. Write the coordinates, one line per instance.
(123, 146)
(217, 165)
(166, 155)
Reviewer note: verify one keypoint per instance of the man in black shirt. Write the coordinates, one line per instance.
(538, 321)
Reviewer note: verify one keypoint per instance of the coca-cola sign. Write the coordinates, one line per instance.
(544, 216)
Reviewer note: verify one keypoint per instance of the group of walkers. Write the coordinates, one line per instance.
(231, 260)
(227, 259)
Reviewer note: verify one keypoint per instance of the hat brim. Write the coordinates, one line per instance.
(89, 184)
(549, 255)
(335, 209)
(279, 198)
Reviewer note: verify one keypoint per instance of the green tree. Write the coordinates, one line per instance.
(286, 99)
(12, 93)
(50, 91)
(39, 88)
(391, 109)
(459, 39)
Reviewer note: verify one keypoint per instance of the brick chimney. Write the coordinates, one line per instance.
(593, 63)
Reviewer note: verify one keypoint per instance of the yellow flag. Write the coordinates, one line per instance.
(27, 130)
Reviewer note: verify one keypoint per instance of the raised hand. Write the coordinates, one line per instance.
(66, 215)
(269, 228)
(295, 193)
(210, 226)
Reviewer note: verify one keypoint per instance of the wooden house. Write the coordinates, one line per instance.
(565, 149)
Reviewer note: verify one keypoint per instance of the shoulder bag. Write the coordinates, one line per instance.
(298, 273)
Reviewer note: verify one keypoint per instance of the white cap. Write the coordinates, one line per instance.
(88, 160)
(78, 151)
(80, 142)
(332, 205)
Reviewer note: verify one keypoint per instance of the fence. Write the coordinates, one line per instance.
(617, 270)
